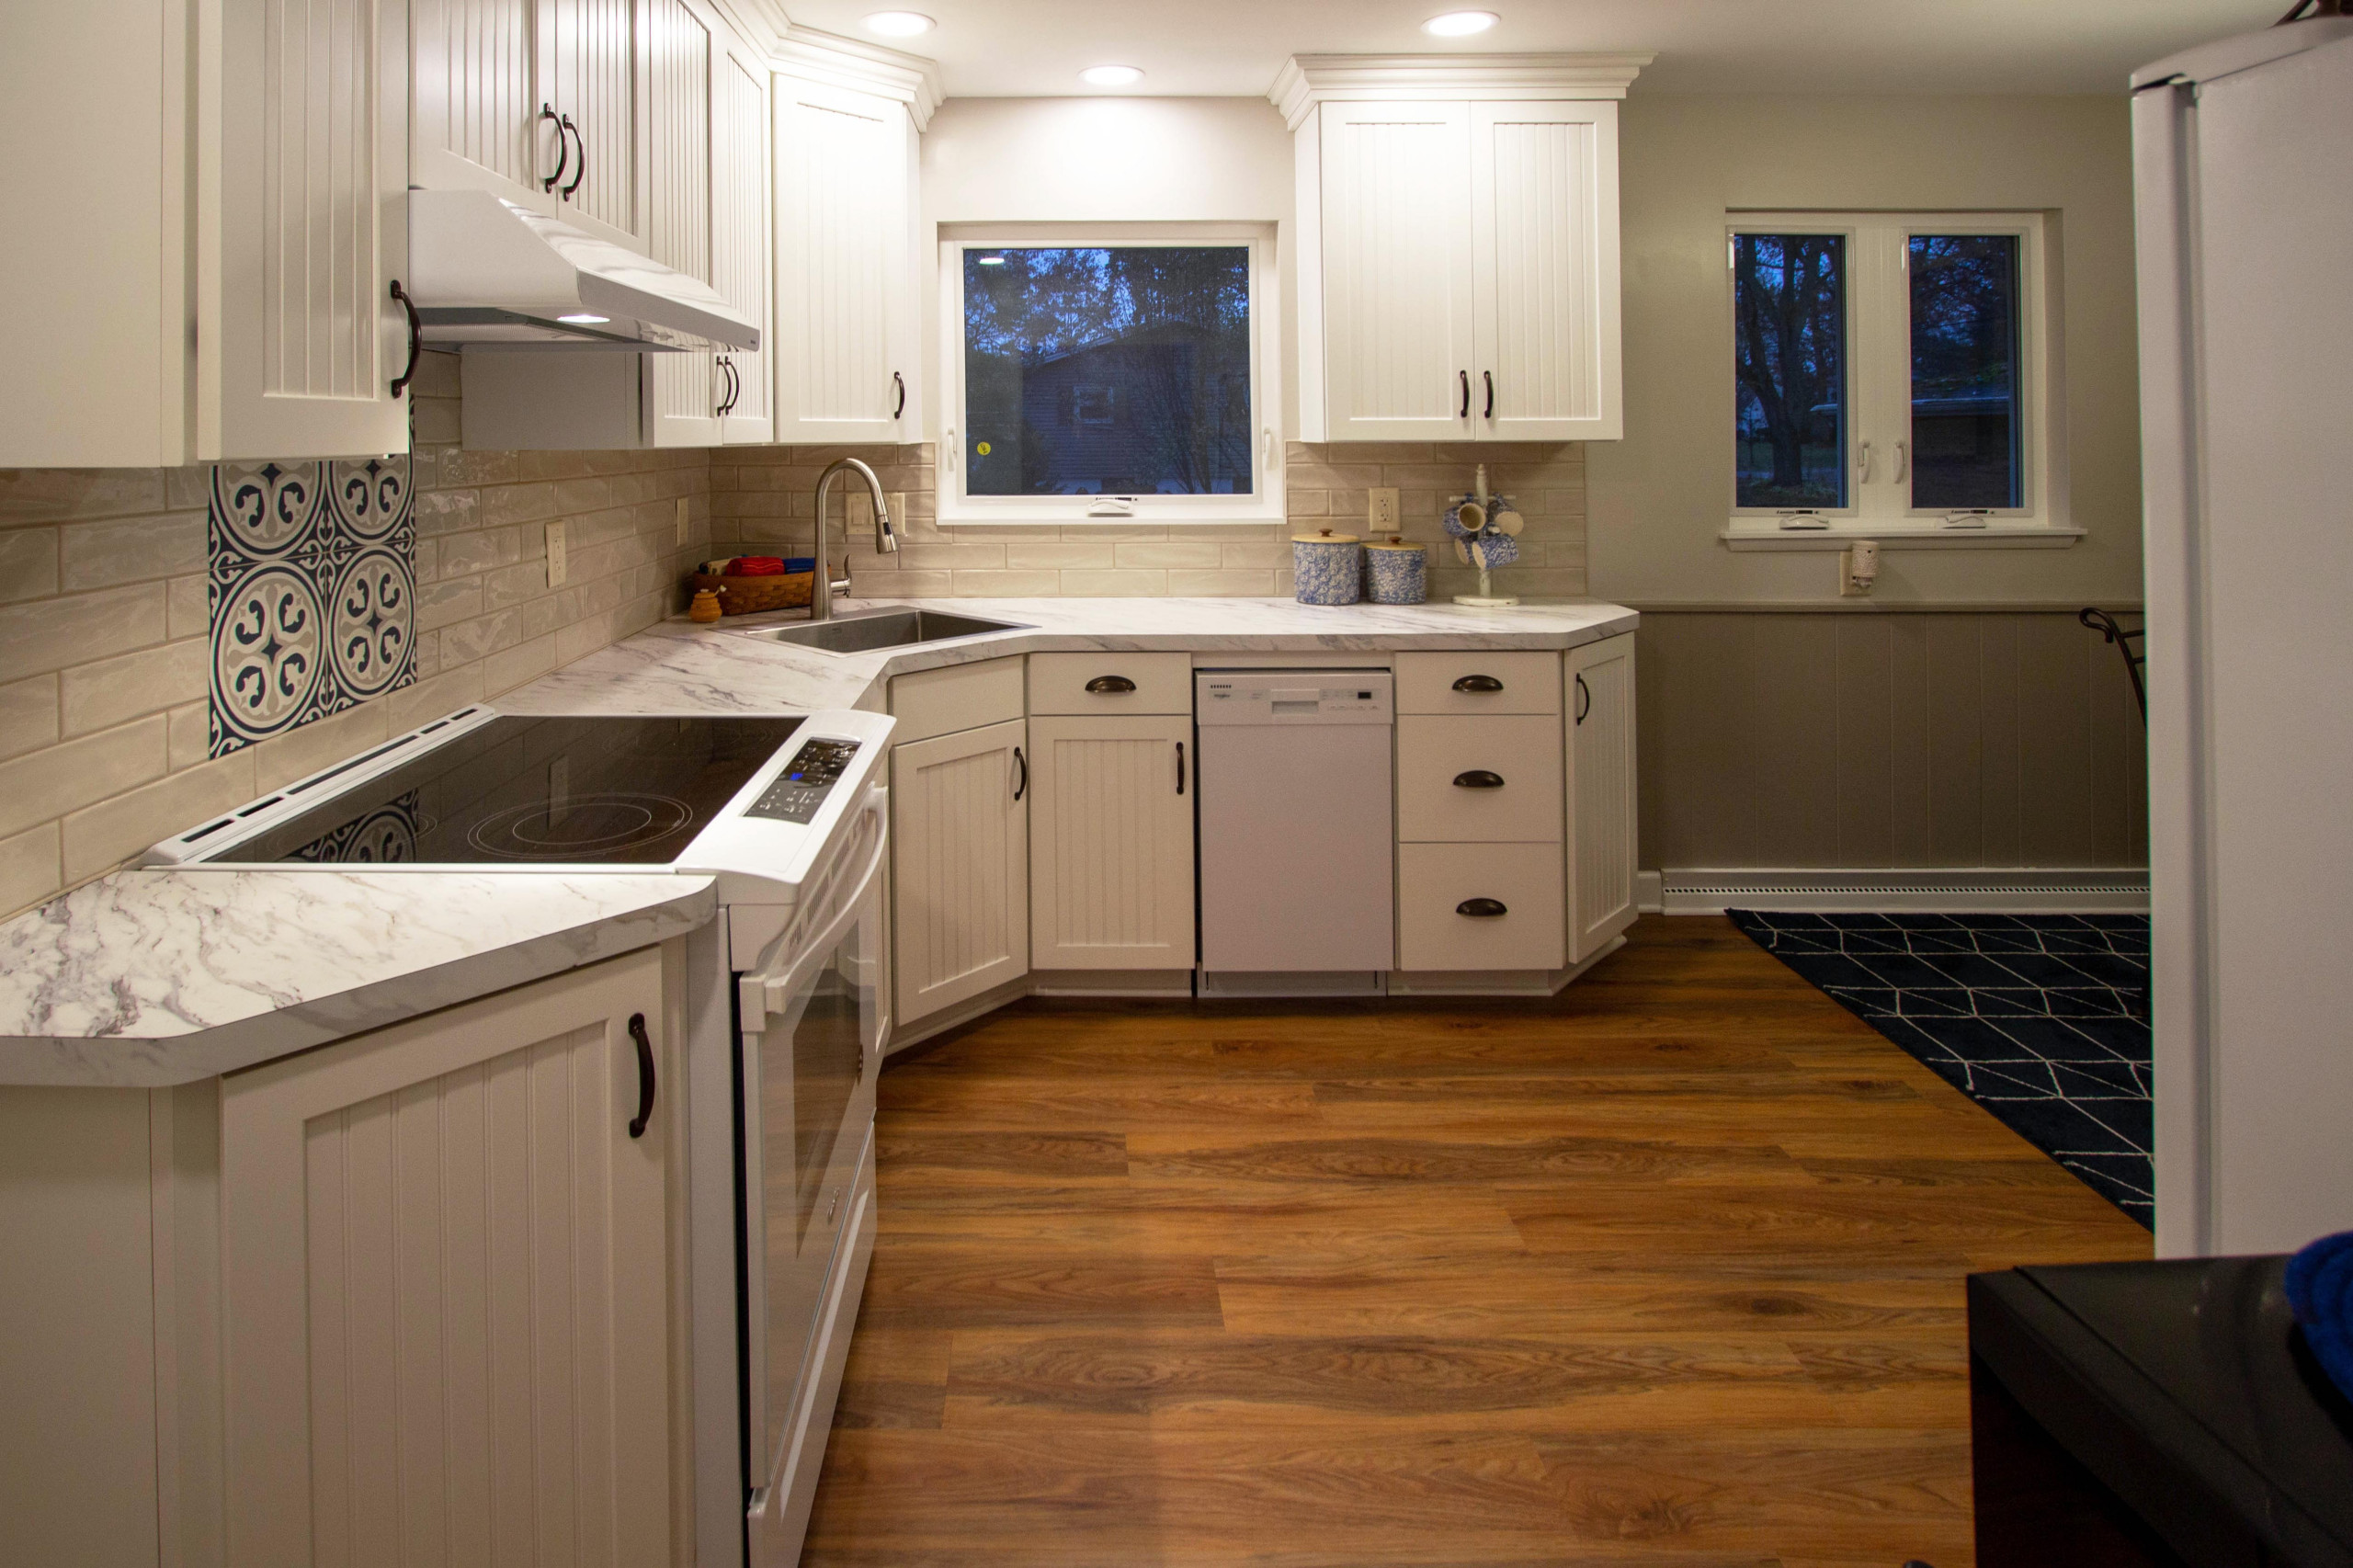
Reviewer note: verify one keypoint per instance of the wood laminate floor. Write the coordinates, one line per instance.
(1666, 1270)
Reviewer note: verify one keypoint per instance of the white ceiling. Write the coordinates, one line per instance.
(1023, 48)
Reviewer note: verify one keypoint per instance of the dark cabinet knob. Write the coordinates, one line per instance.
(1102, 684)
(1478, 683)
(1478, 778)
(1481, 908)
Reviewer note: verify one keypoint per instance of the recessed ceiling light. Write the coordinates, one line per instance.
(582, 318)
(1460, 23)
(899, 24)
(1110, 75)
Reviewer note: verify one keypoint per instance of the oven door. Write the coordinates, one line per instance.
(811, 1045)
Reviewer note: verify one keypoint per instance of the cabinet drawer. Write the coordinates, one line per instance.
(962, 696)
(1473, 682)
(1435, 880)
(1163, 683)
(1524, 751)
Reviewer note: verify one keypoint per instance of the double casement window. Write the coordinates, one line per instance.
(1110, 376)
(1891, 374)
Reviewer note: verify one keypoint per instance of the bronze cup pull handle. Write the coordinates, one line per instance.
(1103, 685)
(1478, 683)
(1481, 908)
(1478, 778)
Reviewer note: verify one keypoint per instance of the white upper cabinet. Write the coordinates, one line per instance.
(1458, 245)
(1544, 252)
(845, 164)
(739, 256)
(846, 119)
(684, 392)
(1397, 271)
(545, 102)
(230, 295)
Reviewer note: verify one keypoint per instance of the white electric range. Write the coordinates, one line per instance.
(786, 1012)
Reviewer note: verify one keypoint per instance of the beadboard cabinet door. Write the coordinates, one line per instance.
(445, 1320)
(1598, 703)
(301, 226)
(844, 264)
(740, 240)
(1544, 257)
(959, 894)
(1398, 299)
(683, 393)
(476, 90)
(600, 70)
(1111, 843)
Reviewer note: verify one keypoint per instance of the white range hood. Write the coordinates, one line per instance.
(486, 273)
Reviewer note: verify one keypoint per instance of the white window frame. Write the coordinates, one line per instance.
(1263, 504)
(1878, 394)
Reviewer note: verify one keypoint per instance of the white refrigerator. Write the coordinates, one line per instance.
(2245, 255)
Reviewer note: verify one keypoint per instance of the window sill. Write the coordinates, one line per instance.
(1994, 536)
(1179, 518)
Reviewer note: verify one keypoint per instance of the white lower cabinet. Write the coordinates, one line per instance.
(959, 892)
(444, 1270)
(1479, 907)
(1598, 703)
(1111, 842)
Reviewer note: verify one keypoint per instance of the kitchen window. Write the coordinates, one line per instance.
(1891, 378)
(1108, 375)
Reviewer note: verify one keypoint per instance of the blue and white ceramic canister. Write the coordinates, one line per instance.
(1326, 568)
(1396, 573)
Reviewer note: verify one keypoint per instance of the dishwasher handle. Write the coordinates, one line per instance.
(1478, 778)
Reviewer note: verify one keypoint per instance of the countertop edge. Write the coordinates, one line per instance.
(166, 1061)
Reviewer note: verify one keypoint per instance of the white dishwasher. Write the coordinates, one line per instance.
(1296, 830)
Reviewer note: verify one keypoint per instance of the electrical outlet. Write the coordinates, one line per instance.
(1380, 513)
(557, 564)
(683, 527)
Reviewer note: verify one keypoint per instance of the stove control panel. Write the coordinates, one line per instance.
(801, 790)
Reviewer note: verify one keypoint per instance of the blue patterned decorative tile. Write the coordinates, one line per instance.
(310, 571)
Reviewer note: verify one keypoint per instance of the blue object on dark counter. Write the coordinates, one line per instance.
(796, 564)
(2319, 1283)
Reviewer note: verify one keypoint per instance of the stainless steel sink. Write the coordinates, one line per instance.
(868, 631)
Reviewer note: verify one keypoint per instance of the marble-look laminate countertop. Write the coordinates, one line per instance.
(680, 666)
(148, 978)
(144, 979)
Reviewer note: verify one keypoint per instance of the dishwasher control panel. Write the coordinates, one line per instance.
(1293, 696)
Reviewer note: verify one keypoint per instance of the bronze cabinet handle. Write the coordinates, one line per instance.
(1478, 683)
(415, 339)
(1104, 685)
(1481, 908)
(1491, 392)
(562, 149)
(1464, 412)
(1180, 767)
(644, 1076)
(901, 382)
(580, 170)
(1023, 787)
(1584, 700)
(1478, 778)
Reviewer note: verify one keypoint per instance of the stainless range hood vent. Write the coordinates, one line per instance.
(486, 273)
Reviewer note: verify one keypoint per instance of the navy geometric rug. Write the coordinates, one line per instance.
(2043, 1019)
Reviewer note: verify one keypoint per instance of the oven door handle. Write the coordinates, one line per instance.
(767, 994)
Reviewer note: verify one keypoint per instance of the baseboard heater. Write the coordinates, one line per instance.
(2055, 892)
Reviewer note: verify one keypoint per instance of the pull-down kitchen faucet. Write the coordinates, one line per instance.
(886, 539)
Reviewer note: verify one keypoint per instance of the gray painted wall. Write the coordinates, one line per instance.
(1855, 740)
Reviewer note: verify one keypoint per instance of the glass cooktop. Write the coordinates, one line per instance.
(603, 790)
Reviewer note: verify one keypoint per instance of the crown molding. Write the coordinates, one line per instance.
(1307, 80)
(846, 62)
(759, 23)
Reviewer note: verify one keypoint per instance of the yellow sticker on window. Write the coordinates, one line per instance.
(982, 449)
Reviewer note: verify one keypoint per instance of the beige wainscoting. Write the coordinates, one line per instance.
(1956, 738)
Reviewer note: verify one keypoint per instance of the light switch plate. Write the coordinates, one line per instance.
(862, 510)
(1381, 512)
(897, 500)
(683, 527)
(558, 566)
